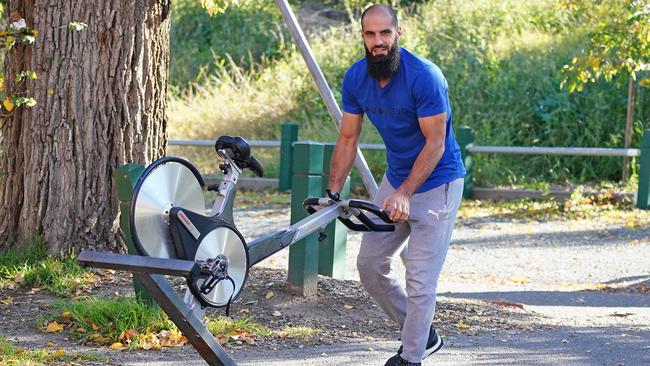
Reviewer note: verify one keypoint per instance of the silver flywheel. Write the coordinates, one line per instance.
(166, 183)
(225, 242)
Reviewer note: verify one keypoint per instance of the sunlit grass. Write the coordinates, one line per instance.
(300, 332)
(602, 206)
(32, 266)
(134, 324)
(10, 355)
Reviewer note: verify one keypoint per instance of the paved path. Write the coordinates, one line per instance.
(544, 266)
(564, 346)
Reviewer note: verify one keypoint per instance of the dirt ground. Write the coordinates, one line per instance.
(341, 310)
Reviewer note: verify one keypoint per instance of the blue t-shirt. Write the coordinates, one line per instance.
(418, 89)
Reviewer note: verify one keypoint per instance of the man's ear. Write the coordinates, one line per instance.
(398, 31)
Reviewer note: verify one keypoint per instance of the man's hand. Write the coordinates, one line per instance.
(398, 205)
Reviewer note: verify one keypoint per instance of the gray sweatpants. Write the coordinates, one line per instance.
(431, 220)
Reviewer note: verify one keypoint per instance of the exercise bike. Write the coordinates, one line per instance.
(174, 234)
(168, 219)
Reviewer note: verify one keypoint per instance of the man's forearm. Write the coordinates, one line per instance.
(423, 166)
(343, 157)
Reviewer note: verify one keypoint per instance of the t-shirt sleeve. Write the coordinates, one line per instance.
(430, 91)
(350, 103)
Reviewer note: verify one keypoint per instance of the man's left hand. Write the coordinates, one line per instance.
(397, 204)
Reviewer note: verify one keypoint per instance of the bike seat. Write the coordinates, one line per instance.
(239, 151)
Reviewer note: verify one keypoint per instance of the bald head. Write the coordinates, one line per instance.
(380, 9)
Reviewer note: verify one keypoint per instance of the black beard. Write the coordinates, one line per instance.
(383, 67)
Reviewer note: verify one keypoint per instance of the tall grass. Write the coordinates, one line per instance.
(502, 59)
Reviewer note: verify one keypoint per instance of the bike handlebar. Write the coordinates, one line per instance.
(367, 224)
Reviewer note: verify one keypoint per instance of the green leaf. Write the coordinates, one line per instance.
(10, 41)
(27, 39)
(31, 75)
(77, 26)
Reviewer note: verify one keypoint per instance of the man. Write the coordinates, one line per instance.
(406, 98)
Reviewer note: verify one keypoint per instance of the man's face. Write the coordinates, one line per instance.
(378, 34)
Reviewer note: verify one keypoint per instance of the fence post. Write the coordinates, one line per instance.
(331, 255)
(125, 178)
(465, 138)
(307, 181)
(288, 136)
(643, 194)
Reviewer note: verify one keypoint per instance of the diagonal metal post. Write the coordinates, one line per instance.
(324, 89)
(185, 319)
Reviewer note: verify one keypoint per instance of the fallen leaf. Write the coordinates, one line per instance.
(370, 349)
(505, 303)
(20, 277)
(116, 346)
(520, 280)
(34, 290)
(349, 307)
(53, 327)
(462, 325)
(8, 104)
(250, 341)
(222, 339)
(58, 353)
(128, 335)
(66, 315)
(269, 295)
(244, 311)
(7, 300)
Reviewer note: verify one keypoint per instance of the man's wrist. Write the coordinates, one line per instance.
(406, 189)
(335, 196)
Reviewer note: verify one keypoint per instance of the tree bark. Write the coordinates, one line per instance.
(101, 103)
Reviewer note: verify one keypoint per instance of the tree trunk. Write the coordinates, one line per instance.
(101, 103)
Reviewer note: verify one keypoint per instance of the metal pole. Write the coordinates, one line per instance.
(628, 128)
(323, 88)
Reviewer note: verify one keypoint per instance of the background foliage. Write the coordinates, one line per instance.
(239, 73)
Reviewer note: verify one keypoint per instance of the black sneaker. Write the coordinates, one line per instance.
(399, 361)
(434, 344)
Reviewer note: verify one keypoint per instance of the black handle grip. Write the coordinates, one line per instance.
(364, 205)
(372, 225)
(366, 223)
(255, 165)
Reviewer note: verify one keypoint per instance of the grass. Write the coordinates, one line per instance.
(223, 326)
(300, 332)
(32, 266)
(11, 355)
(503, 60)
(105, 320)
(130, 323)
(602, 205)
